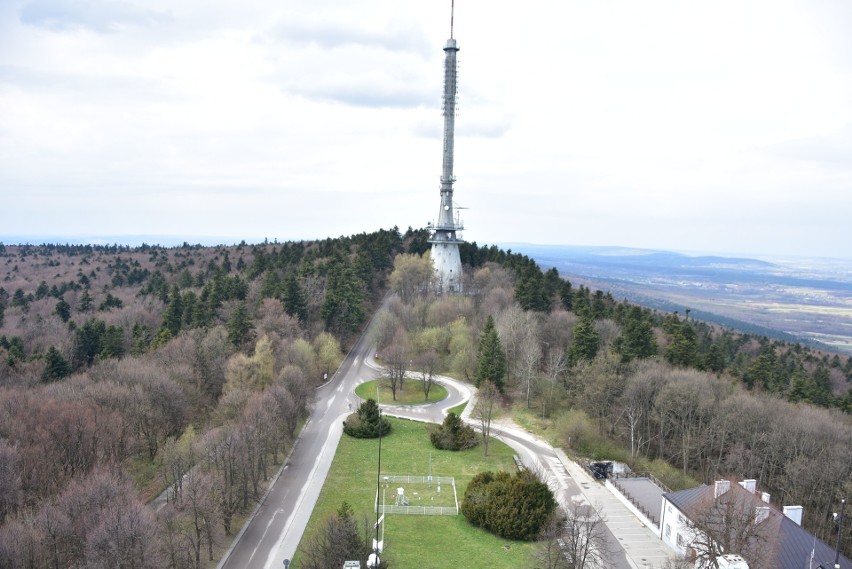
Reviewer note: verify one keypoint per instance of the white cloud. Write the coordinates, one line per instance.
(663, 124)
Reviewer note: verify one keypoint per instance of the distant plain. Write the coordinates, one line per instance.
(807, 300)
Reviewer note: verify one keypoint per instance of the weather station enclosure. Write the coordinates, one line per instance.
(418, 496)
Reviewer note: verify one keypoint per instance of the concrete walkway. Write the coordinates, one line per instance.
(643, 548)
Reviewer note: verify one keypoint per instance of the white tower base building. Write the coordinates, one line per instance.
(447, 263)
(445, 238)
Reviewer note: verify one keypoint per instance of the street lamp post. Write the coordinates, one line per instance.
(838, 520)
(839, 534)
(378, 484)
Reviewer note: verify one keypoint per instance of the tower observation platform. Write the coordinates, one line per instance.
(445, 237)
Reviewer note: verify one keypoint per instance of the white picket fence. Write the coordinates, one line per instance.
(420, 510)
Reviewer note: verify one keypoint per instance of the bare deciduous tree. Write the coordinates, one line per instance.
(200, 514)
(396, 362)
(529, 357)
(412, 275)
(637, 405)
(427, 363)
(582, 538)
(178, 457)
(487, 399)
(688, 403)
(555, 366)
(10, 480)
(125, 537)
(512, 326)
(600, 383)
(735, 521)
(548, 553)
(678, 563)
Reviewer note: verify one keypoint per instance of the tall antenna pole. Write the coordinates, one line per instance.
(445, 238)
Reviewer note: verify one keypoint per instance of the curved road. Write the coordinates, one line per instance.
(273, 532)
(533, 452)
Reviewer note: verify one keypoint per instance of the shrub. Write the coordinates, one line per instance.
(364, 423)
(453, 434)
(512, 507)
(578, 432)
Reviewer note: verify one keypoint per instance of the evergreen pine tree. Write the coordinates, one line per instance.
(343, 307)
(821, 394)
(88, 341)
(491, 358)
(112, 343)
(585, 341)
(637, 337)
(566, 295)
(85, 301)
(714, 359)
(683, 347)
(63, 309)
(271, 287)
(57, 366)
(173, 316)
(293, 298)
(530, 290)
(239, 325)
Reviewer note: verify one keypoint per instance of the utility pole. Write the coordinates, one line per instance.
(839, 534)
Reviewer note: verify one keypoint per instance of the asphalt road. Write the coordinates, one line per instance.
(273, 533)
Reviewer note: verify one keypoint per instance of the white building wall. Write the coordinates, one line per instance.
(448, 267)
(675, 530)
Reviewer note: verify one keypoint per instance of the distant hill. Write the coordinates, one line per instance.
(808, 300)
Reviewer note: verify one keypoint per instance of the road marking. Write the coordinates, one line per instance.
(273, 560)
(265, 531)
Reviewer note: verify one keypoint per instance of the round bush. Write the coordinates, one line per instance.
(364, 423)
(513, 507)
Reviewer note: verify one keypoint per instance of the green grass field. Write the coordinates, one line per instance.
(427, 542)
(411, 392)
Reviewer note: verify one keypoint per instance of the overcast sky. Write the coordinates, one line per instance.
(700, 126)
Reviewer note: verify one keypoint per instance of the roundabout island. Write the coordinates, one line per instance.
(411, 392)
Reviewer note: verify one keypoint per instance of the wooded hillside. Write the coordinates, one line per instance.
(127, 370)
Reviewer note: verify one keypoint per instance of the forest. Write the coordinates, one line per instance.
(126, 371)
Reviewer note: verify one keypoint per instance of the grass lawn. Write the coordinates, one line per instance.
(411, 393)
(458, 409)
(530, 420)
(427, 542)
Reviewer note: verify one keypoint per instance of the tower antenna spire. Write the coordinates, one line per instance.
(445, 238)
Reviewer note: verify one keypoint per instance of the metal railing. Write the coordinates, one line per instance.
(421, 479)
(647, 475)
(419, 510)
(636, 503)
